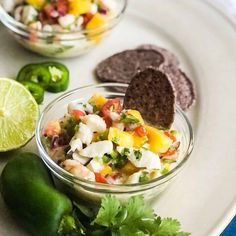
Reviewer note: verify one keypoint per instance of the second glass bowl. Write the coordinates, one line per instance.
(61, 44)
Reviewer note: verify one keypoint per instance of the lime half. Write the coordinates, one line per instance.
(19, 113)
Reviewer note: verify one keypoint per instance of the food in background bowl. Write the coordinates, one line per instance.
(61, 28)
(82, 189)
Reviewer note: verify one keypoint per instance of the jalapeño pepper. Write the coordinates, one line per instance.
(36, 73)
(59, 79)
(28, 191)
(52, 76)
(36, 90)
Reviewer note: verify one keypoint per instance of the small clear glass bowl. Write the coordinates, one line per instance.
(91, 192)
(61, 44)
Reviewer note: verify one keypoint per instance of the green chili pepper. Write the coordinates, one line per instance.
(59, 79)
(52, 76)
(35, 89)
(28, 190)
(36, 73)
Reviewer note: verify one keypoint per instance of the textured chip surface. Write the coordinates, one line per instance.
(169, 57)
(152, 93)
(185, 91)
(122, 67)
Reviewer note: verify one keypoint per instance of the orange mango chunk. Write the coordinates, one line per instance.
(158, 141)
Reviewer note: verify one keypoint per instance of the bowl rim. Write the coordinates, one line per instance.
(63, 173)
(7, 20)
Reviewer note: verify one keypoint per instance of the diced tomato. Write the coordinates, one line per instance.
(140, 131)
(100, 178)
(77, 114)
(171, 136)
(169, 153)
(87, 18)
(108, 121)
(115, 175)
(48, 9)
(62, 7)
(45, 16)
(111, 104)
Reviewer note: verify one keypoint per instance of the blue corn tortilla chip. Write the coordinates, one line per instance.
(121, 67)
(152, 93)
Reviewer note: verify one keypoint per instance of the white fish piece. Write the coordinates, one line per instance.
(94, 8)
(88, 108)
(95, 165)
(97, 149)
(114, 115)
(75, 144)
(29, 14)
(134, 178)
(75, 106)
(17, 13)
(77, 169)
(142, 158)
(66, 21)
(79, 22)
(95, 123)
(110, 4)
(47, 28)
(83, 160)
(119, 125)
(36, 25)
(84, 134)
(9, 5)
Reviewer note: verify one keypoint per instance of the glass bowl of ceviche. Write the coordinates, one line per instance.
(94, 147)
(61, 28)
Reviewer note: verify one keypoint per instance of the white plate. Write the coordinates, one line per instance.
(203, 196)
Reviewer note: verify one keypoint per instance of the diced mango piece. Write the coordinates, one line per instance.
(98, 100)
(159, 142)
(79, 7)
(137, 115)
(120, 137)
(107, 170)
(97, 21)
(129, 168)
(138, 140)
(38, 4)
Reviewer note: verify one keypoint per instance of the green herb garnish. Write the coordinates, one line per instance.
(133, 218)
(129, 119)
(116, 140)
(138, 154)
(125, 152)
(144, 177)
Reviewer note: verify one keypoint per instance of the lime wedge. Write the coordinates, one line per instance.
(19, 113)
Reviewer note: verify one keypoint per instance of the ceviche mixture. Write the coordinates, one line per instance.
(99, 141)
(60, 15)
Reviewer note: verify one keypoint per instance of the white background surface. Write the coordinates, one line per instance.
(203, 196)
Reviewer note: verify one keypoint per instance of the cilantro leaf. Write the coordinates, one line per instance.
(129, 119)
(110, 207)
(134, 218)
(170, 227)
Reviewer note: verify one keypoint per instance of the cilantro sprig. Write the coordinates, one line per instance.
(133, 218)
